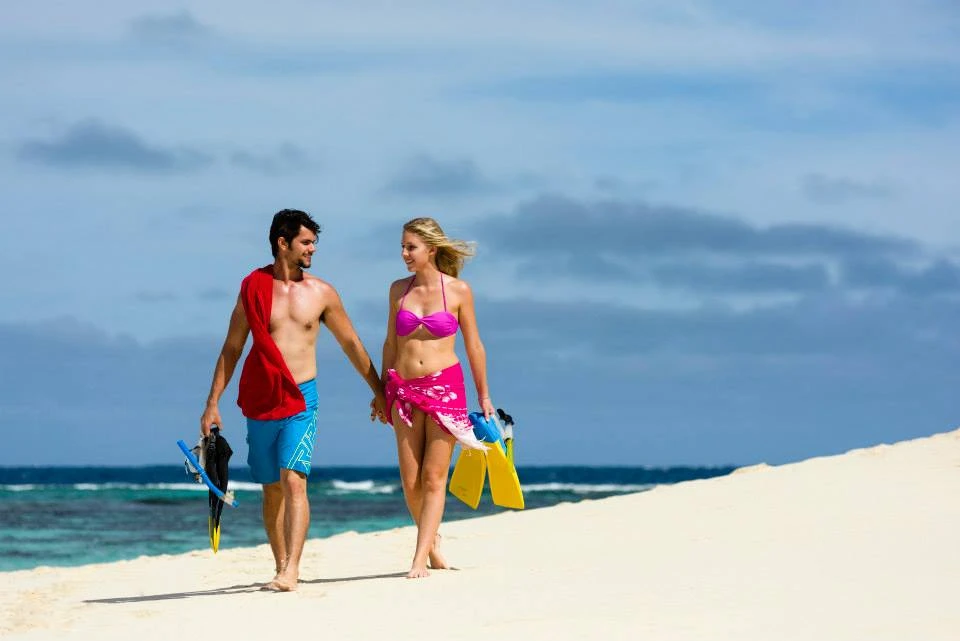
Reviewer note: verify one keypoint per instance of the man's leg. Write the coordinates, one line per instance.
(296, 522)
(273, 518)
(262, 458)
(295, 449)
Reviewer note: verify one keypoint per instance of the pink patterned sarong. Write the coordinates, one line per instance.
(440, 395)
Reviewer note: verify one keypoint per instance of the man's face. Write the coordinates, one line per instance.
(301, 249)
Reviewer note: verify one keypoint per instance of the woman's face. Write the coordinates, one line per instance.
(415, 253)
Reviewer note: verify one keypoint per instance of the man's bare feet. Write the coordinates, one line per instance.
(437, 562)
(418, 572)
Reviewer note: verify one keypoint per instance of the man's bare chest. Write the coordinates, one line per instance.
(295, 304)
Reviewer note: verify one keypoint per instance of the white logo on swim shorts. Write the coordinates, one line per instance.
(303, 453)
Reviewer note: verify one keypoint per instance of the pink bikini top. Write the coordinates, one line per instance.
(440, 324)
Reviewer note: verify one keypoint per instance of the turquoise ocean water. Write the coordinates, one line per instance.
(72, 516)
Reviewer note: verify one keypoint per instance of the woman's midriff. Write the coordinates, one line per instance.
(416, 358)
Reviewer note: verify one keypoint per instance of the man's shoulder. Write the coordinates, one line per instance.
(319, 286)
(266, 270)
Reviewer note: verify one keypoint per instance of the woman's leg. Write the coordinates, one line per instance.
(435, 466)
(410, 450)
(410, 441)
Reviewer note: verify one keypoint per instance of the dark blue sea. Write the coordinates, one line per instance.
(61, 516)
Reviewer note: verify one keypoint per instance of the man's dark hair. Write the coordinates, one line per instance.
(286, 224)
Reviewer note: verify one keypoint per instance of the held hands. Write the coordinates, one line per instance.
(378, 408)
(210, 417)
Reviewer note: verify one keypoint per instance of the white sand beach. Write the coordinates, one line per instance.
(861, 546)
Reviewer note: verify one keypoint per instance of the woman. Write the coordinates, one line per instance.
(426, 399)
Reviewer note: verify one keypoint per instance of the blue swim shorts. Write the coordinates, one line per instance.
(283, 443)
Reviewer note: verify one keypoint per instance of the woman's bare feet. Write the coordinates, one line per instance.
(281, 581)
(418, 572)
(437, 562)
(287, 580)
(280, 585)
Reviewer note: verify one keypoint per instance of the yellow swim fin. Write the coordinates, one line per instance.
(214, 535)
(504, 483)
(466, 482)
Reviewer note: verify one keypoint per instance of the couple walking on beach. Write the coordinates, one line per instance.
(419, 391)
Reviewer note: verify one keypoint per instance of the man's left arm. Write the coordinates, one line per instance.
(336, 319)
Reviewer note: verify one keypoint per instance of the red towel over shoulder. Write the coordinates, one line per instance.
(267, 389)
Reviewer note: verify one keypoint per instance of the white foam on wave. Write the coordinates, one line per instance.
(368, 487)
(100, 487)
(338, 487)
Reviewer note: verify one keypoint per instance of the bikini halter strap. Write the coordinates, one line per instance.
(443, 291)
(407, 290)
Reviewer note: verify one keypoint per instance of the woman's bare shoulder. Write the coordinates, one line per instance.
(400, 283)
(458, 285)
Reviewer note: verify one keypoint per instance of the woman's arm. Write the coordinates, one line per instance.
(476, 354)
(389, 357)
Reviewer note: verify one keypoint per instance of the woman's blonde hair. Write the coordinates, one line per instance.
(451, 253)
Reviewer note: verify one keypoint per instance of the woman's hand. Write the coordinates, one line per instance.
(487, 406)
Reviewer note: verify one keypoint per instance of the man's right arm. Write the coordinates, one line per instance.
(336, 319)
(226, 363)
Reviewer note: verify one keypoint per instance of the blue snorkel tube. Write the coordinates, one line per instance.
(198, 469)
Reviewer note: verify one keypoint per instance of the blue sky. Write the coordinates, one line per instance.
(708, 232)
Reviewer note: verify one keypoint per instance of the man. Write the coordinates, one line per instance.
(282, 307)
